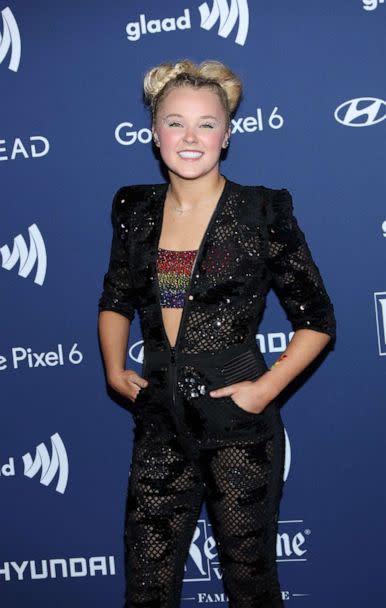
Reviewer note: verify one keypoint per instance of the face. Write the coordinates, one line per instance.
(190, 127)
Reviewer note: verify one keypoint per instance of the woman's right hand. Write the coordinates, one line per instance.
(127, 382)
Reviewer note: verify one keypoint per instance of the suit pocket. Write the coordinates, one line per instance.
(247, 365)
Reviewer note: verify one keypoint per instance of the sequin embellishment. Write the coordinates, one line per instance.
(174, 269)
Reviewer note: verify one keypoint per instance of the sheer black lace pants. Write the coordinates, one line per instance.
(241, 485)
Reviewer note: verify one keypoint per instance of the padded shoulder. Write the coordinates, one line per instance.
(127, 196)
(278, 204)
(138, 191)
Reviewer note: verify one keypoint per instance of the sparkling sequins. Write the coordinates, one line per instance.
(192, 385)
(174, 269)
(253, 244)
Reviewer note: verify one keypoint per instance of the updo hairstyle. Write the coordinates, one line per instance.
(213, 75)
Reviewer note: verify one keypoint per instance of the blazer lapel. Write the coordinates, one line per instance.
(146, 232)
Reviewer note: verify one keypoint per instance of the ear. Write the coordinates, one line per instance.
(227, 135)
(155, 137)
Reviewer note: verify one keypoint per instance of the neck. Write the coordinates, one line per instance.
(188, 193)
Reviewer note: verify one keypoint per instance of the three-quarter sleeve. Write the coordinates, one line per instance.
(295, 275)
(118, 292)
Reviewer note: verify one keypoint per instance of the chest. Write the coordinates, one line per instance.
(183, 232)
(231, 251)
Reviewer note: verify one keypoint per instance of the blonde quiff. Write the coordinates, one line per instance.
(211, 74)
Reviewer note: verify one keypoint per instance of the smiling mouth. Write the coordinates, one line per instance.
(190, 154)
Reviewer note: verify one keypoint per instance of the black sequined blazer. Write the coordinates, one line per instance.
(252, 241)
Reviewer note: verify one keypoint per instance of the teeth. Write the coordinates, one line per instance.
(190, 154)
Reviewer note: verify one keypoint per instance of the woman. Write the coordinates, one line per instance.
(196, 257)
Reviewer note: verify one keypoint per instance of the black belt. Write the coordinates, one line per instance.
(234, 364)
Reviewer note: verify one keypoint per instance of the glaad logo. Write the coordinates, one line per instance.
(361, 112)
(227, 16)
(380, 315)
(10, 40)
(27, 258)
(48, 465)
(371, 5)
(58, 463)
(135, 29)
(37, 147)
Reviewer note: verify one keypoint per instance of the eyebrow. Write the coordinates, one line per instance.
(181, 116)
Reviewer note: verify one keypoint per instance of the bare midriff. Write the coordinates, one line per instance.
(172, 319)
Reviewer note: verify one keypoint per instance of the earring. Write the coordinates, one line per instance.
(226, 143)
(156, 140)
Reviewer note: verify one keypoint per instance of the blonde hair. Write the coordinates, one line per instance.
(159, 80)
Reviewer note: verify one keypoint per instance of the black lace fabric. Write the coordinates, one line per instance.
(189, 447)
(254, 242)
(241, 486)
(295, 275)
(118, 289)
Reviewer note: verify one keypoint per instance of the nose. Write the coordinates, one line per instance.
(190, 135)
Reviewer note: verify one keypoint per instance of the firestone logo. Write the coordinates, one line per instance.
(48, 465)
(29, 258)
(10, 40)
(225, 14)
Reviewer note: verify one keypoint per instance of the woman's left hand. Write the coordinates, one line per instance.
(251, 395)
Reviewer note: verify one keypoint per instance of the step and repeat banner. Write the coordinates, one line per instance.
(73, 130)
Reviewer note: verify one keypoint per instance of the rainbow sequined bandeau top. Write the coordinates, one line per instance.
(174, 269)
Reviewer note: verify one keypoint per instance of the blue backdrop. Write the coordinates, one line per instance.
(73, 129)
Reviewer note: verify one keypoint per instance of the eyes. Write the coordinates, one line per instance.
(205, 125)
